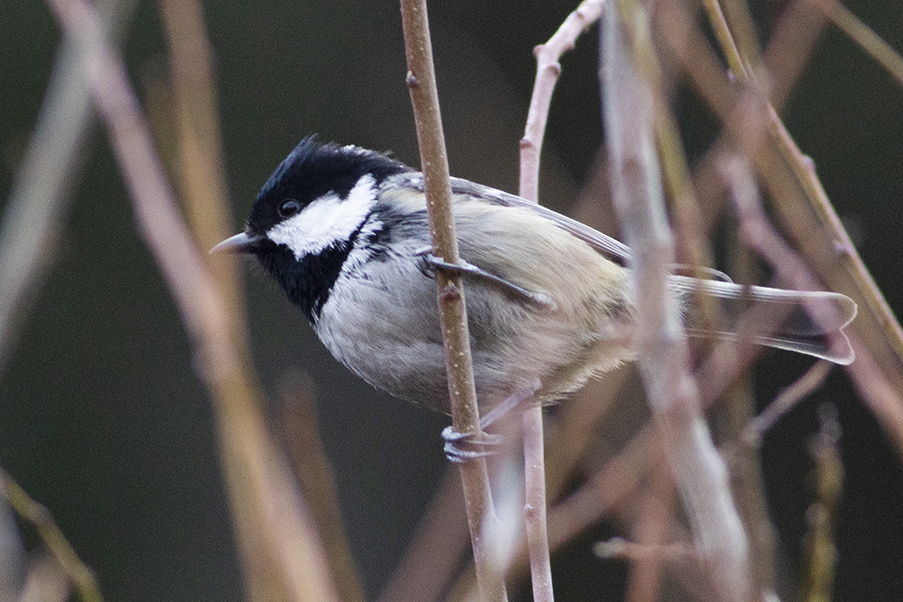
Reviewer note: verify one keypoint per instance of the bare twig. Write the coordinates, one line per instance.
(690, 244)
(316, 479)
(863, 35)
(77, 571)
(651, 529)
(421, 80)
(36, 207)
(806, 212)
(805, 385)
(745, 32)
(279, 545)
(726, 41)
(202, 178)
(547, 72)
(535, 506)
(663, 356)
(621, 548)
(821, 553)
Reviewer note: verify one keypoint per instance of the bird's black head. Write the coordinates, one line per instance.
(312, 171)
(308, 215)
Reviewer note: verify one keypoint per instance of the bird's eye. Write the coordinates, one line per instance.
(289, 207)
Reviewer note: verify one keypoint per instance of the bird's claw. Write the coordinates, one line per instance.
(429, 265)
(457, 454)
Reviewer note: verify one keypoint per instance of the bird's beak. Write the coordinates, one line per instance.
(240, 243)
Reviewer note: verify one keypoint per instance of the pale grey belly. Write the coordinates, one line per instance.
(390, 336)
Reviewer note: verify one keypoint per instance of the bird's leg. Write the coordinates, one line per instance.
(429, 264)
(454, 439)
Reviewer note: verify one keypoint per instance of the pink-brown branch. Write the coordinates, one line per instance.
(547, 71)
(421, 81)
(275, 521)
(673, 395)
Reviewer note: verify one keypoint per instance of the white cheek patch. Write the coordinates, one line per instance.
(326, 221)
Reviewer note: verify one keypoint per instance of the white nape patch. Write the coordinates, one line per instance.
(327, 220)
(360, 254)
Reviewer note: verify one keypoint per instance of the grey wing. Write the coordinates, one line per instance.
(601, 242)
(597, 240)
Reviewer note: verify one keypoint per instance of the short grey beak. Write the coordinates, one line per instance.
(240, 243)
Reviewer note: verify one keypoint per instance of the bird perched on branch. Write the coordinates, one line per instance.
(344, 232)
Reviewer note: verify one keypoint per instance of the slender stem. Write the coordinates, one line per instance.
(535, 506)
(30, 510)
(725, 39)
(278, 540)
(36, 207)
(421, 81)
(673, 395)
(806, 212)
(863, 35)
(202, 178)
(547, 72)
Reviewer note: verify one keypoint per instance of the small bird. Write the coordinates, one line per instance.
(344, 232)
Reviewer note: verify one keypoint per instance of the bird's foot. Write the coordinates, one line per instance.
(486, 443)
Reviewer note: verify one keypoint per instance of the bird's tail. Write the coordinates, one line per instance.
(809, 322)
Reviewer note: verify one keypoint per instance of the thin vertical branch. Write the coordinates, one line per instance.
(535, 519)
(652, 529)
(77, 571)
(821, 553)
(547, 72)
(278, 541)
(548, 69)
(723, 33)
(863, 35)
(421, 81)
(699, 472)
(202, 178)
(37, 203)
(805, 210)
(316, 480)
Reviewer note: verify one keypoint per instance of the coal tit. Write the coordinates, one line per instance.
(344, 232)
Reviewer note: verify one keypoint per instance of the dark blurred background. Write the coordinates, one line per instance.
(103, 418)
